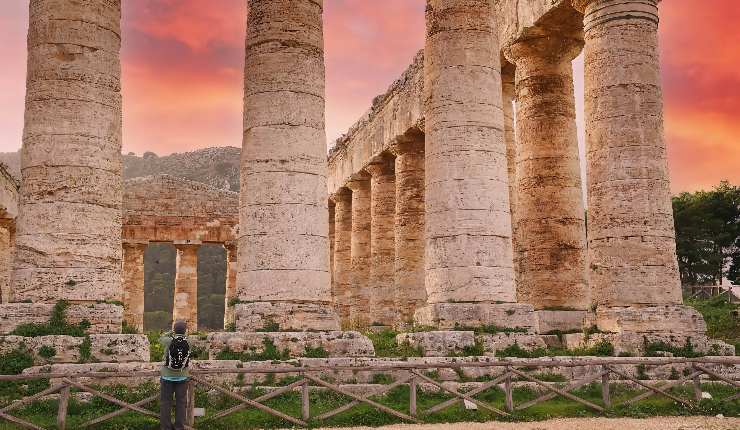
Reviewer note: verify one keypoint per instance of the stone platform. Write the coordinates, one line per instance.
(549, 321)
(445, 316)
(118, 348)
(457, 343)
(287, 316)
(333, 343)
(672, 319)
(654, 371)
(103, 317)
(636, 344)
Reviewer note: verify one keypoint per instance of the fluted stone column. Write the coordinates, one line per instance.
(342, 285)
(69, 223)
(186, 284)
(133, 283)
(631, 237)
(468, 219)
(550, 217)
(383, 309)
(230, 291)
(409, 229)
(283, 210)
(360, 251)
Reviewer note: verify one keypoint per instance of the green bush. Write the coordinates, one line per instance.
(269, 352)
(318, 352)
(385, 345)
(57, 325)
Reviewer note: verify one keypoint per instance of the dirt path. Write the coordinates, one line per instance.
(660, 423)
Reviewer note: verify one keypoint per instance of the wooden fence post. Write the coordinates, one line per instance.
(605, 387)
(305, 401)
(696, 384)
(508, 391)
(412, 396)
(191, 403)
(63, 404)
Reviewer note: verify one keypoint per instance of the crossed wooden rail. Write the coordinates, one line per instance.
(413, 375)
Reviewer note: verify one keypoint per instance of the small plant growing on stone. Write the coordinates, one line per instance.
(128, 329)
(230, 327)
(86, 350)
(57, 324)
(381, 379)
(318, 352)
(270, 326)
(47, 352)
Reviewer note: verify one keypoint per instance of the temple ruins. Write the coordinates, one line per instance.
(454, 203)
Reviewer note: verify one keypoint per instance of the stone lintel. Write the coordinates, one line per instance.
(506, 315)
(561, 320)
(187, 242)
(675, 319)
(103, 317)
(290, 316)
(335, 343)
(135, 242)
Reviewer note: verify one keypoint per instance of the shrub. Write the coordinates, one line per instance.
(57, 325)
(47, 352)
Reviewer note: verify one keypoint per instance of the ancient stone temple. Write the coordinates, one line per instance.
(454, 203)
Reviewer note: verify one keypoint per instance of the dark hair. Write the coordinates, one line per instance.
(179, 327)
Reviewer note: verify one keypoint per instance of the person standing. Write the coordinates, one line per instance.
(174, 376)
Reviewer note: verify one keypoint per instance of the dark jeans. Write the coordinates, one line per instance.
(180, 390)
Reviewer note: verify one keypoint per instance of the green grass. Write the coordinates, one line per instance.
(717, 312)
(44, 413)
(385, 345)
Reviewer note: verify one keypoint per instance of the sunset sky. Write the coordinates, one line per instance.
(182, 74)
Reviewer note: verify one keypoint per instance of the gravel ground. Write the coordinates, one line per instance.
(659, 423)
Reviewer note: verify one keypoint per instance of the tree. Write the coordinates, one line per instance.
(708, 234)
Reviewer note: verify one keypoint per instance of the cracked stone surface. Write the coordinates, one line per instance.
(69, 221)
(467, 216)
(550, 218)
(632, 250)
(283, 206)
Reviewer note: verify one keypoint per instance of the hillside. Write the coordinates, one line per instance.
(217, 167)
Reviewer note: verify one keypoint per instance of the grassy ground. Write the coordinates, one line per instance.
(721, 324)
(43, 413)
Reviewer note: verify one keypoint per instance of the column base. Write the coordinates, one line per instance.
(285, 316)
(672, 319)
(563, 321)
(445, 316)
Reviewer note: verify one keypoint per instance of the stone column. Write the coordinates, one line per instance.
(186, 284)
(508, 97)
(383, 310)
(550, 217)
(331, 245)
(133, 283)
(7, 251)
(409, 229)
(283, 270)
(631, 238)
(360, 251)
(230, 291)
(342, 285)
(69, 223)
(468, 219)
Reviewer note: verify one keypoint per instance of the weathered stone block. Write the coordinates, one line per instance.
(335, 343)
(438, 343)
(637, 343)
(120, 348)
(66, 349)
(448, 315)
(550, 321)
(103, 317)
(650, 319)
(288, 316)
(494, 342)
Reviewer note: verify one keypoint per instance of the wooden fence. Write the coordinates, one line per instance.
(511, 373)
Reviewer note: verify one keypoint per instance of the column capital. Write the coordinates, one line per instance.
(402, 147)
(342, 194)
(381, 166)
(601, 11)
(359, 181)
(551, 49)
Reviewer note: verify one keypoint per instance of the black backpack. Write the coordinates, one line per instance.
(178, 353)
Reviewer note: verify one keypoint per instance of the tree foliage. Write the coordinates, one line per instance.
(708, 234)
